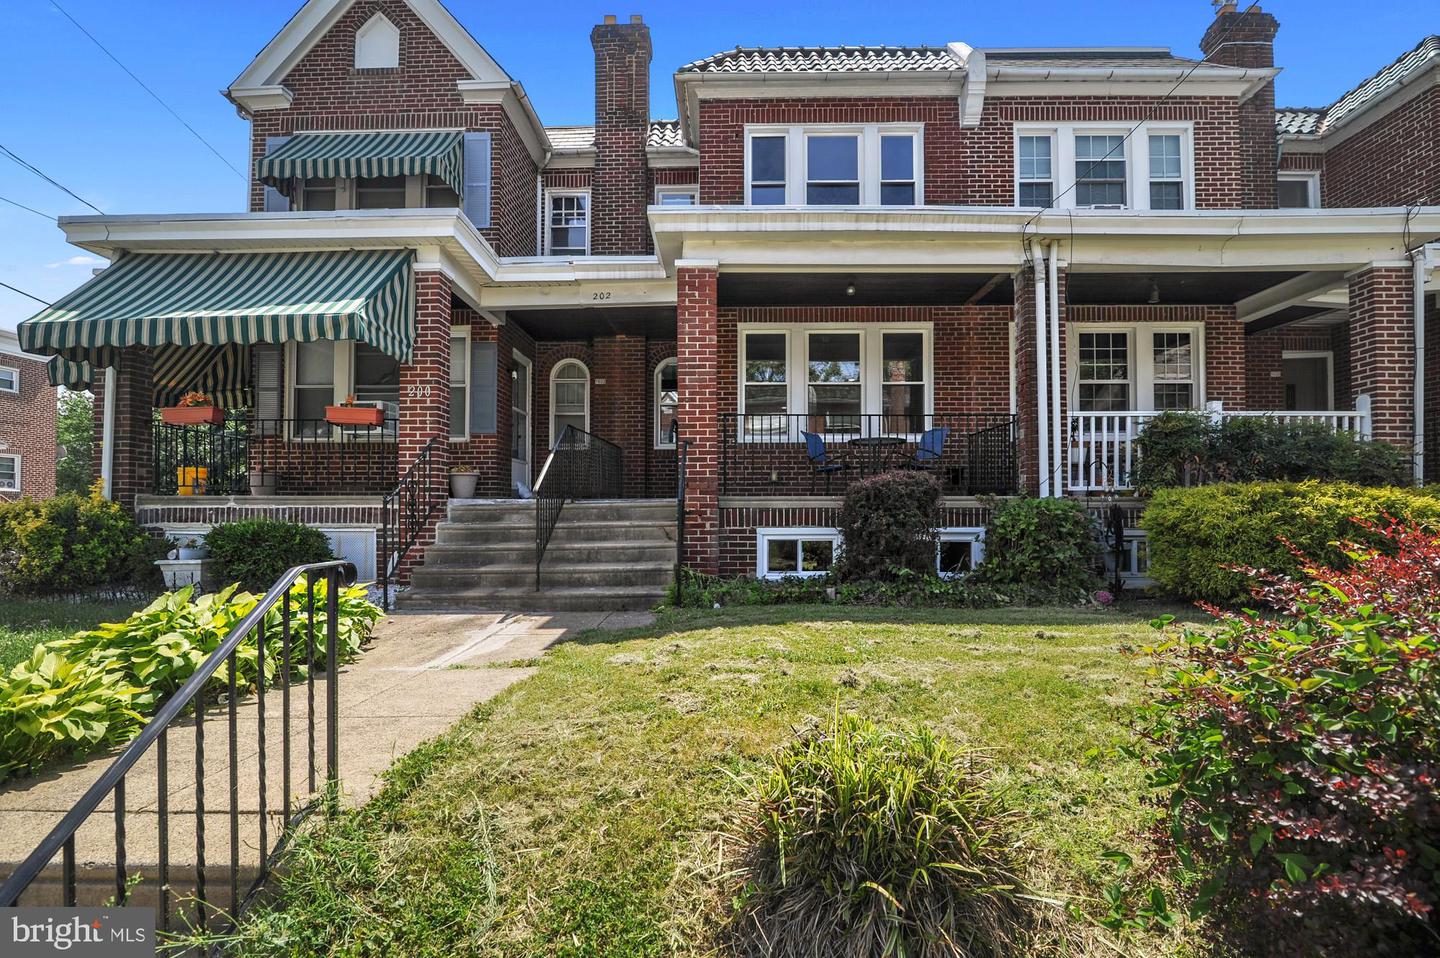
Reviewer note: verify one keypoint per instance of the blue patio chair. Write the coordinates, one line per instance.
(929, 449)
(823, 462)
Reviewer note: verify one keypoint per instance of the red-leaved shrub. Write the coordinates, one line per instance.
(1299, 750)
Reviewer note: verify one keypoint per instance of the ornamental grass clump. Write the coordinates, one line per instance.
(861, 842)
(1299, 757)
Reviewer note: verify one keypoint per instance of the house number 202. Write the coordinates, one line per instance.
(414, 391)
(599, 296)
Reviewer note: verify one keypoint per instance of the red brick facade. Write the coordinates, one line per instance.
(27, 426)
(1382, 343)
(1394, 161)
(697, 337)
(622, 123)
(1247, 39)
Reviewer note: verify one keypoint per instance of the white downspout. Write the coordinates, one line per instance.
(1054, 319)
(1418, 263)
(1042, 372)
(107, 436)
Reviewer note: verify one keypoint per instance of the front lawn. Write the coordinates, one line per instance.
(25, 623)
(580, 813)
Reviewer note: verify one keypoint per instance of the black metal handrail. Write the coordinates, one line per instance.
(580, 466)
(406, 512)
(220, 460)
(764, 452)
(191, 695)
(682, 456)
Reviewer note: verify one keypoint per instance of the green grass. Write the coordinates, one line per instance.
(25, 623)
(580, 813)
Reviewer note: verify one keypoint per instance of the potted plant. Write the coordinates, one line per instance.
(192, 548)
(349, 414)
(193, 409)
(262, 483)
(462, 482)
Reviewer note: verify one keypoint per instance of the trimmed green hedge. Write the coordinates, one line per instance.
(1046, 544)
(257, 552)
(71, 543)
(1195, 533)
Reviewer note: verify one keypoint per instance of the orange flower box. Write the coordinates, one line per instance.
(192, 416)
(354, 415)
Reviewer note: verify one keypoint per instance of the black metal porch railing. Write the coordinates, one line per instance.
(309, 455)
(192, 698)
(767, 454)
(580, 466)
(406, 511)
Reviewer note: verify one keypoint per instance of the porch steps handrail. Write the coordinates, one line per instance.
(580, 465)
(406, 511)
(1102, 456)
(112, 780)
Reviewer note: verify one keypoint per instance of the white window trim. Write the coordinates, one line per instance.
(797, 175)
(1134, 574)
(19, 481)
(660, 441)
(975, 535)
(1052, 179)
(1309, 177)
(1326, 354)
(1142, 361)
(764, 534)
(589, 388)
(797, 379)
(14, 372)
(463, 331)
(692, 191)
(1137, 158)
(589, 218)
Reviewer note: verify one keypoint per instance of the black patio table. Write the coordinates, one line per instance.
(874, 453)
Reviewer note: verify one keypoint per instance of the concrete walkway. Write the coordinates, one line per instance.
(421, 674)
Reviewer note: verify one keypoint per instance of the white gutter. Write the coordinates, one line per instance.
(107, 436)
(1419, 262)
(1054, 318)
(1042, 378)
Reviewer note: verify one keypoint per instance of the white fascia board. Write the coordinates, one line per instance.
(547, 269)
(1149, 81)
(518, 109)
(293, 41)
(256, 99)
(617, 293)
(582, 159)
(672, 157)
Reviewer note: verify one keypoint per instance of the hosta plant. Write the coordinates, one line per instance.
(1299, 751)
(859, 841)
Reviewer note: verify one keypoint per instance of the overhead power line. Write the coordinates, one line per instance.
(153, 95)
(44, 176)
(16, 289)
(6, 199)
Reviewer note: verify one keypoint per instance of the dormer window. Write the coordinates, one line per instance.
(377, 44)
(834, 165)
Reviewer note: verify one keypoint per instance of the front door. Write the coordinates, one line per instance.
(1307, 382)
(521, 400)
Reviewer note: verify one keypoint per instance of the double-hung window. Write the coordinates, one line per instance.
(841, 382)
(1094, 165)
(1297, 190)
(327, 372)
(567, 231)
(835, 165)
(1100, 170)
(9, 379)
(460, 382)
(9, 473)
(380, 193)
(1147, 367)
(1036, 172)
(440, 195)
(1167, 174)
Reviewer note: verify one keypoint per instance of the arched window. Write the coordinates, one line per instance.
(569, 397)
(667, 402)
(377, 44)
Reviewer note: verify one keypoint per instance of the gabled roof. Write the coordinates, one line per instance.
(880, 59)
(1310, 121)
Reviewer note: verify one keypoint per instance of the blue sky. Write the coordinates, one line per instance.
(70, 111)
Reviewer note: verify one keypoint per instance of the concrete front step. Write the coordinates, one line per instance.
(592, 599)
(587, 574)
(448, 554)
(568, 529)
(520, 513)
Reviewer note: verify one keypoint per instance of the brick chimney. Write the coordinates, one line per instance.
(622, 122)
(1247, 40)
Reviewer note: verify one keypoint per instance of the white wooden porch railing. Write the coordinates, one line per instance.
(1102, 455)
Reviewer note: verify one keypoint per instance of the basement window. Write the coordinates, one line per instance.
(795, 552)
(959, 551)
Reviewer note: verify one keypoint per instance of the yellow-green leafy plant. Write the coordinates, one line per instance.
(862, 842)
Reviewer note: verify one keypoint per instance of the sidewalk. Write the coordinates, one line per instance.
(421, 674)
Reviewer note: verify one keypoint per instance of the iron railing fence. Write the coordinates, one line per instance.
(580, 466)
(407, 511)
(767, 454)
(248, 455)
(297, 643)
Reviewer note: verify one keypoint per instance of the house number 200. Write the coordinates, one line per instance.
(413, 391)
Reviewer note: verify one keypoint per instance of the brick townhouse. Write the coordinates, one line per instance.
(995, 264)
(27, 423)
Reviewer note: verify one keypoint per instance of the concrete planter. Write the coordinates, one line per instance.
(179, 573)
(462, 484)
(263, 483)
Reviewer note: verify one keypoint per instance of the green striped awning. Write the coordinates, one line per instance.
(220, 372)
(310, 155)
(220, 299)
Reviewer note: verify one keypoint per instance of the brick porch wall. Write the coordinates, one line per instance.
(697, 344)
(1382, 349)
